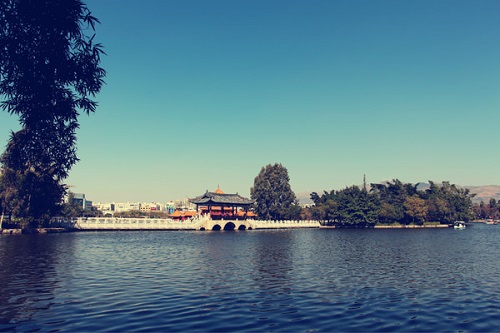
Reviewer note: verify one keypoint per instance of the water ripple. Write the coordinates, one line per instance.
(286, 280)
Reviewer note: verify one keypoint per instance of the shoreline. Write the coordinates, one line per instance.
(17, 231)
(35, 231)
(381, 226)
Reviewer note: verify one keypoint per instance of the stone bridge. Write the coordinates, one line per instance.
(226, 225)
(256, 224)
(197, 223)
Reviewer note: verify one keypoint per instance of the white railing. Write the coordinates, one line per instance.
(195, 223)
(115, 223)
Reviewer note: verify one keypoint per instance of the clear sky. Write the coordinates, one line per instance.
(205, 93)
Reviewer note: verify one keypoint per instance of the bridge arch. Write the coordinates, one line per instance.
(229, 226)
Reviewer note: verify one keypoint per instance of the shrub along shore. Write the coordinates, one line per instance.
(388, 226)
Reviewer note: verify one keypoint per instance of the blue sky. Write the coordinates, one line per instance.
(205, 93)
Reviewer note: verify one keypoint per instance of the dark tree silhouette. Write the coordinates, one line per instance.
(393, 202)
(273, 194)
(49, 73)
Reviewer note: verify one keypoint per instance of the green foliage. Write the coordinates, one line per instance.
(29, 196)
(448, 203)
(49, 69)
(491, 210)
(394, 202)
(274, 197)
(350, 206)
(71, 208)
(393, 195)
(388, 213)
(415, 209)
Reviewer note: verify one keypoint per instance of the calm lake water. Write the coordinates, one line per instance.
(282, 280)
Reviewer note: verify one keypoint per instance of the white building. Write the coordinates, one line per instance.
(105, 207)
(150, 207)
(80, 200)
(126, 206)
(184, 204)
(169, 207)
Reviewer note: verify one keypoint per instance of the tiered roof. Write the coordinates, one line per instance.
(220, 198)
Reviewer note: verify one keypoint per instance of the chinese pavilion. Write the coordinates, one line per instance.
(223, 206)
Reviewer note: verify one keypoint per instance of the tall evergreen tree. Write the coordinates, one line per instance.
(274, 197)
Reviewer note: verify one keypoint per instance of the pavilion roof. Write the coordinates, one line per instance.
(214, 198)
(176, 214)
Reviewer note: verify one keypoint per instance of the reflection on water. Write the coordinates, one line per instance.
(29, 267)
(272, 269)
(283, 280)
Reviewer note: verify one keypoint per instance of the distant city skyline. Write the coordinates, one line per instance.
(205, 93)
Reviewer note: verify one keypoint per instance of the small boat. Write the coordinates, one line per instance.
(459, 225)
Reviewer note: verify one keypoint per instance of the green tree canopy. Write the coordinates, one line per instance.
(274, 197)
(71, 208)
(350, 206)
(393, 202)
(49, 72)
(415, 208)
(448, 202)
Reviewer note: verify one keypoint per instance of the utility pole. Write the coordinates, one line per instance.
(364, 182)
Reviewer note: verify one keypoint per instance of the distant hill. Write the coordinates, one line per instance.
(482, 193)
(305, 197)
(485, 193)
(423, 186)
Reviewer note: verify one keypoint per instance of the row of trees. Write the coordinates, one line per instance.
(384, 203)
(393, 202)
(485, 211)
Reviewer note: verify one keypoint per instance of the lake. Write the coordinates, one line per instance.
(303, 280)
